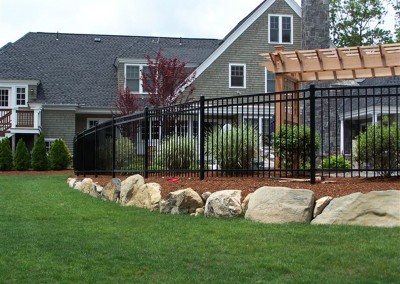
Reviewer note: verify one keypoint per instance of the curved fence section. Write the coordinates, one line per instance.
(352, 131)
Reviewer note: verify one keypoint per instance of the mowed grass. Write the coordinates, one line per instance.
(50, 233)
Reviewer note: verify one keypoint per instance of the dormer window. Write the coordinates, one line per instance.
(133, 80)
(280, 29)
(21, 97)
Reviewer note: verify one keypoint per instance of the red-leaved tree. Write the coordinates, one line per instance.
(166, 80)
(126, 102)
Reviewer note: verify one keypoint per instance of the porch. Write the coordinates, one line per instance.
(19, 121)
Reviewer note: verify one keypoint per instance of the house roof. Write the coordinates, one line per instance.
(242, 26)
(79, 68)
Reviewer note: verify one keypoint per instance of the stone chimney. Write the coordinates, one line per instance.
(315, 24)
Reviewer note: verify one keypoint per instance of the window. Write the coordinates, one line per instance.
(133, 79)
(21, 96)
(237, 75)
(3, 97)
(269, 82)
(280, 29)
(92, 122)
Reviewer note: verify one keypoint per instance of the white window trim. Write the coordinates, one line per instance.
(49, 141)
(100, 120)
(244, 75)
(141, 91)
(280, 28)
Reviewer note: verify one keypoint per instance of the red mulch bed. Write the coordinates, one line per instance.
(334, 187)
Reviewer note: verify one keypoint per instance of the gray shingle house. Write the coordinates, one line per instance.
(61, 84)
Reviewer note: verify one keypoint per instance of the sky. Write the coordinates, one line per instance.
(171, 18)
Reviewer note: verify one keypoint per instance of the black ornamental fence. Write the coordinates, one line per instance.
(341, 132)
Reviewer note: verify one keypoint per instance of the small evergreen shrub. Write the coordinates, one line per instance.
(336, 162)
(234, 147)
(40, 160)
(379, 147)
(22, 159)
(178, 153)
(6, 157)
(292, 145)
(59, 156)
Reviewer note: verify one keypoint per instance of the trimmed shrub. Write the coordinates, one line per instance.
(178, 153)
(59, 156)
(379, 148)
(292, 145)
(336, 162)
(6, 158)
(234, 147)
(40, 160)
(22, 159)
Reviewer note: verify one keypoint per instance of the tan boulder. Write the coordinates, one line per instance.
(280, 205)
(224, 203)
(183, 201)
(245, 203)
(320, 205)
(147, 196)
(129, 185)
(375, 208)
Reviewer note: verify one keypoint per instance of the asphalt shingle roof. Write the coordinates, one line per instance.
(76, 69)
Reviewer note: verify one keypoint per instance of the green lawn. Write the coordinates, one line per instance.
(50, 233)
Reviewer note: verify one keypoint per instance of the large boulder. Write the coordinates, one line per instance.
(280, 205)
(128, 186)
(182, 201)
(87, 185)
(224, 203)
(147, 196)
(112, 190)
(376, 208)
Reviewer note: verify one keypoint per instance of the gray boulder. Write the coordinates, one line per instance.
(280, 205)
(129, 185)
(184, 201)
(112, 190)
(375, 208)
(224, 203)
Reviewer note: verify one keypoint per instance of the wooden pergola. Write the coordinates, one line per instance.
(349, 63)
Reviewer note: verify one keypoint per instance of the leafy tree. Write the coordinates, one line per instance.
(6, 158)
(40, 160)
(396, 6)
(358, 22)
(22, 159)
(59, 156)
(166, 80)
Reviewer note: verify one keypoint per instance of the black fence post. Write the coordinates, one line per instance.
(146, 142)
(202, 140)
(95, 150)
(113, 147)
(312, 134)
